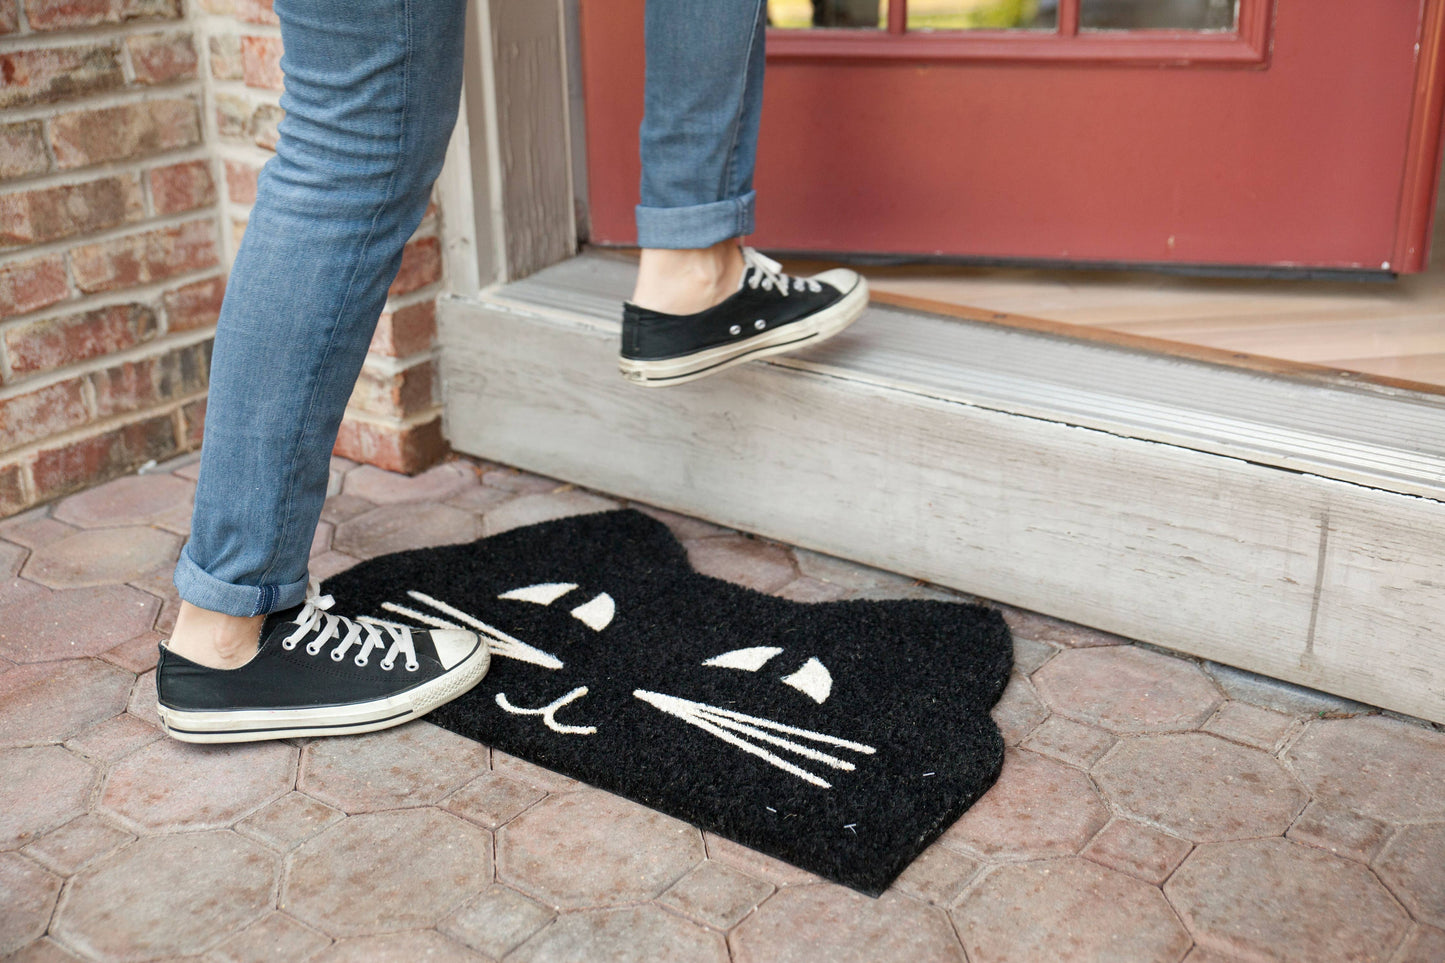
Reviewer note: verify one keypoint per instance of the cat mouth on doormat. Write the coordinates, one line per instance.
(842, 737)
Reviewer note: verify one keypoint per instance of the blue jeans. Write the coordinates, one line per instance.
(371, 96)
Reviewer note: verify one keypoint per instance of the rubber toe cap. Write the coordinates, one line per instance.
(453, 646)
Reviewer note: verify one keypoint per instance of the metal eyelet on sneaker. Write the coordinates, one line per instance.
(288, 644)
(385, 665)
(760, 324)
(313, 649)
(360, 662)
(413, 666)
(735, 330)
(337, 655)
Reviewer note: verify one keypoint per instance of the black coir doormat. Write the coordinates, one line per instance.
(842, 737)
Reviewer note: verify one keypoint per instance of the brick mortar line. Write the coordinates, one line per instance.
(140, 352)
(145, 293)
(73, 176)
(229, 23)
(64, 245)
(410, 421)
(103, 100)
(266, 95)
(90, 35)
(100, 426)
(411, 299)
(390, 367)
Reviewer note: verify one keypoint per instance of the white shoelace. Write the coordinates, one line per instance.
(314, 618)
(768, 274)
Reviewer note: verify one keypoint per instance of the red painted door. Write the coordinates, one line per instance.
(1281, 133)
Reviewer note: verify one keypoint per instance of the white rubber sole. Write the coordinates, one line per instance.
(254, 725)
(790, 337)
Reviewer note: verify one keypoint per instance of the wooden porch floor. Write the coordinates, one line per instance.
(1389, 329)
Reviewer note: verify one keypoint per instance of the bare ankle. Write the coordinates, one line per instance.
(688, 281)
(213, 639)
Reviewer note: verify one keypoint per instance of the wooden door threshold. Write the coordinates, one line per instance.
(1279, 521)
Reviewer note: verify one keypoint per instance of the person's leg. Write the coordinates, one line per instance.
(702, 302)
(699, 142)
(371, 96)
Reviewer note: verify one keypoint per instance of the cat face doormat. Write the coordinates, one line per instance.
(842, 737)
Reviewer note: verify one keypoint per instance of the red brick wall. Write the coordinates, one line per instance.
(111, 261)
(131, 134)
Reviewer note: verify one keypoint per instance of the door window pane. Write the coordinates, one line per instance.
(806, 14)
(983, 14)
(1157, 14)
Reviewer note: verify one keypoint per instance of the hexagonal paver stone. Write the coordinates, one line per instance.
(716, 894)
(1138, 850)
(849, 575)
(388, 871)
(102, 556)
(136, 500)
(498, 921)
(80, 622)
(1067, 909)
(632, 934)
(1425, 944)
(1038, 807)
(937, 876)
(434, 485)
(532, 774)
(492, 799)
(167, 896)
(1069, 741)
(289, 821)
(11, 558)
(29, 897)
(44, 951)
(40, 788)
(142, 702)
(594, 849)
(523, 483)
(419, 946)
(1382, 767)
(1019, 710)
(1251, 725)
(274, 936)
(1331, 827)
(411, 765)
(1413, 866)
(754, 863)
(1278, 900)
(1201, 787)
(1127, 689)
(743, 561)
(54, 701)
(78, 843)
(810, 590)
(1042, 628)
(172, 785)
(396, 528)
(821, 923)
(531, 509)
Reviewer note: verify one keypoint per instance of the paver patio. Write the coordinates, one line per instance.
(1151, 808)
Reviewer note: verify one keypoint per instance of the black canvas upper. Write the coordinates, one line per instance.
(280, 679)
(649, 335)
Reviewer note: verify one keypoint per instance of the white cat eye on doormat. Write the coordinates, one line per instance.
(841, 737)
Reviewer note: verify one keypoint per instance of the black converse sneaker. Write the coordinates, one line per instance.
(771, 313)
(317, 674)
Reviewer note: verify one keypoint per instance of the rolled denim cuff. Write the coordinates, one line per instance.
(695, 226)
(202, 589)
